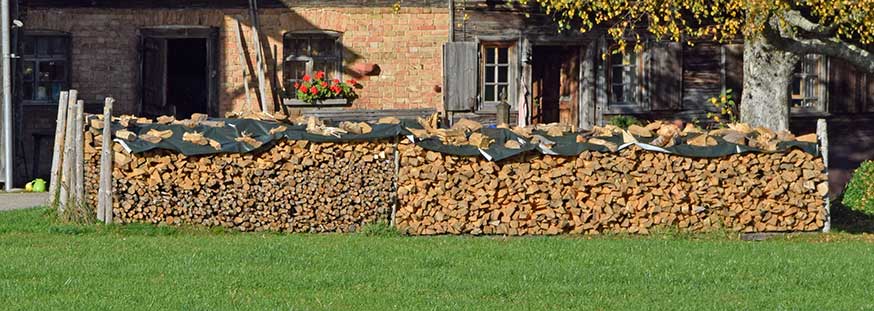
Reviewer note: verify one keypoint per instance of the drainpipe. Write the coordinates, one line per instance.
(7, 93)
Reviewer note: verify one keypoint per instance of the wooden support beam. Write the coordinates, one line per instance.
(79, 165)
(57, 158)
(822, 133)
(244, 65)
(68, 156)
(104, 194)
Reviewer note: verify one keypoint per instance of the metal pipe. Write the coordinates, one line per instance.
(7, 93)
(451, 20)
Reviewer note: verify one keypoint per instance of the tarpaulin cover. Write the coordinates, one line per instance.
(565, 145)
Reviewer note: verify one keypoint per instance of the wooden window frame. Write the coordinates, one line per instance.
(66, 57)
(512, 53)
(814, 79)
(337, 58)
(640, 102)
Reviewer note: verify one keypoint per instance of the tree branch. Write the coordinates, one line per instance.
(830, 46)
(794, 18)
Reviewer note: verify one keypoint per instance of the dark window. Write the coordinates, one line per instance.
(624, 78)
(45, 67)
(807, 89)
(306, 53)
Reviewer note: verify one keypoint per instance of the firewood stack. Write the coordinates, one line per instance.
(632, 191)
(294, 186)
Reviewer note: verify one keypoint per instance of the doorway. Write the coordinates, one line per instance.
(178, 72)
(555, 84)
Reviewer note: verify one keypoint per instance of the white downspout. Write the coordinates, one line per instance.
(7, 93)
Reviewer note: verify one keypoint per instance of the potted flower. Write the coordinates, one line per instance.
(319, 91)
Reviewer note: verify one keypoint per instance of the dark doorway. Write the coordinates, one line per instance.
(178, 73)
(186, 77)
(555, 84)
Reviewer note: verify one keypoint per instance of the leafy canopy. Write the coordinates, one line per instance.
(719, 20)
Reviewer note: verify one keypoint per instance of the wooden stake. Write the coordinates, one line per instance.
(397, 172)
(822, 133)
(79, 166)
(104, 194)
(259, 54)
(66, 168)
(60, 129)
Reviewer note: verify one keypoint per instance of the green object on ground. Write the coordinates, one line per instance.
(859, 195)
(49, 266)
(39, 185)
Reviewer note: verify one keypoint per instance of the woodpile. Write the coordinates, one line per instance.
(294, 186)
(632, 191)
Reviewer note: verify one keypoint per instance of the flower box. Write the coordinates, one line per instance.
(333, 102)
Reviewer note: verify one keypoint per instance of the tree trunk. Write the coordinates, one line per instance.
(767, 74)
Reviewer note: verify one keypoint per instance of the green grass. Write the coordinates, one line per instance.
(45, 265)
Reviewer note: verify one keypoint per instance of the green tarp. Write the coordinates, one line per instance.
(565, 145)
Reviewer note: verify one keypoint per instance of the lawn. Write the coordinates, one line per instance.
(45, 265)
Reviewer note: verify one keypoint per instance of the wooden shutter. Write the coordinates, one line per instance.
(154, 77)
(460, 75)
(666, 75)
(734, 69)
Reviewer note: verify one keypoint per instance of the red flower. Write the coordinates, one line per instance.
(303, 89)
(320, 75)
(296, 85)
(336, 81)
(336, 89)
(324, 84)
(351, 82)
(306, 78)
(314, 90)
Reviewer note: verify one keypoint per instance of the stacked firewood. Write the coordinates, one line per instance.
(631, 191)
(294, 186)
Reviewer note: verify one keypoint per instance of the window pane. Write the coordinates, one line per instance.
(27, 89)
(26, 46)
(490, 74)
(616, 75)
(328, 66)
(27, 71)
(489, 94)
(49, 90)
(810, 86)
(616, 59)
(322, 47)
(503, 57)
(52, 71)
(796, 87)
(630, 76)
(56, 46)
(503, 74)
(294, 70)
(296, 47)
(502, 92)
(42, 46)
(490, 55)
(617, 94)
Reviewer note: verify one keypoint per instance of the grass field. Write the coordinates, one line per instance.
(45, 265)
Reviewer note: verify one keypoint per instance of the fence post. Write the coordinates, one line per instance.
(67, 163)
(60, 130)
(79, 166)
(822, 134)
(104, 192)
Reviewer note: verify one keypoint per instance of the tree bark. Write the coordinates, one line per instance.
(767, 74)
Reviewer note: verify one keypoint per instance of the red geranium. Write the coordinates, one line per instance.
(320, 75)
(324, 84)
(335, 81)
(316, 88)
(306, 78)
(303, 89)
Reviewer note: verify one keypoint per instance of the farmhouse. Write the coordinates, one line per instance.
(461, 58)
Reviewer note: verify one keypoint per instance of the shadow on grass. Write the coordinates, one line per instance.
(850, 221)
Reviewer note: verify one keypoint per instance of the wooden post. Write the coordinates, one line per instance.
(394, 206)
(822, 133)
(243, 65)
(79, 142)
(60, 129)
(259, 54)
(104, 194)
(67, 162)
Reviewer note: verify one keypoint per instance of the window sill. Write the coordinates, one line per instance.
(625, 109)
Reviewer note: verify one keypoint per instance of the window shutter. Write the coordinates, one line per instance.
(460, 75)
(734, 69)
(666, 75)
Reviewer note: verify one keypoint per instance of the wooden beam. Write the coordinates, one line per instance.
(104, 194)
(243, 65)
(79, 166)
(60, 129)
(822, 133)
(66, 168)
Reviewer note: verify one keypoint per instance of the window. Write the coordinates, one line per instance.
(308, 52)
(496, 75)
(624, 79)
(807, 89)
(45, 67)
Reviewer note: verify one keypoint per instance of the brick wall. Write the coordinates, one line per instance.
(406, 46)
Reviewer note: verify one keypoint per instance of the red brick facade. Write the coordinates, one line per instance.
(406, 45)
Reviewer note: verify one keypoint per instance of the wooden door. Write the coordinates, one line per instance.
(154, 77)
(555, 84)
